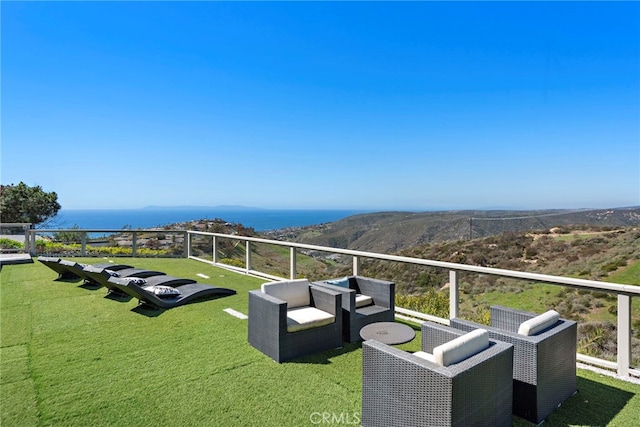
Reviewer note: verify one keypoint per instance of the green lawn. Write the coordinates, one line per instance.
(70, 356)
(629, 275)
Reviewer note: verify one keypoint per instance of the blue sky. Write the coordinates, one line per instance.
(346, 105)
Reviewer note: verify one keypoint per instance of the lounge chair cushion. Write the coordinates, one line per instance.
(294, 292)
(302, 318)
(136, 280)
(363, 300)
(163, 291)
(539, 323)
(461, 348)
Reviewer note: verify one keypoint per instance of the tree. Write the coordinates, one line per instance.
(21, 203)
(68, 236)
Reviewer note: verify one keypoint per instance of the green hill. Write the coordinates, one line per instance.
(390, 232)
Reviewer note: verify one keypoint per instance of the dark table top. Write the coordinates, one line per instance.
(388, 332)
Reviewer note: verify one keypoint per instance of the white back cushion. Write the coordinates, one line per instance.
(363, 300)
(539, 323)
(294, 292)
(461, 348)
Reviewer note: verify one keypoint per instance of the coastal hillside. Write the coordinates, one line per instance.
(606, 253)
(390, 232)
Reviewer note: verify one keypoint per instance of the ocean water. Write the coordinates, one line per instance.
(259, 219)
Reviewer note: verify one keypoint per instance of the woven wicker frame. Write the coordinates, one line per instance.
(381, 292)
(267, 329)
(544, 368)
(400, 389)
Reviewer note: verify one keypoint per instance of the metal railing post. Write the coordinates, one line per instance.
(248, 255)
(185, 239)
(134, 244)
(27, 241)
(33, 243)
(356, 265)
(624, 334)
(453, 294)
(83, 244)
(292, 263)
(214, 247)
(30, 242)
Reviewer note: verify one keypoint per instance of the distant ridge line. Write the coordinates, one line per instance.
(390, 232)
(536, 216)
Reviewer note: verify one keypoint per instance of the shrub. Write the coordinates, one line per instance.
(482, 315)
(431, 302)
(233, 262)
(10, 244)
(597, 339)
(69, 236)
(45, 246)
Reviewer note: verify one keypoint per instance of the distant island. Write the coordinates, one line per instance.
(235, 208)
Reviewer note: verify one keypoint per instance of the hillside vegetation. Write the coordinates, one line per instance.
(599, 245)
(598, 253)
(390, 232)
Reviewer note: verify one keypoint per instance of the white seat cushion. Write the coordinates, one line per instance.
(461, 348)
(363, 300)
(294, 292)
(539, 323)
(302, 318)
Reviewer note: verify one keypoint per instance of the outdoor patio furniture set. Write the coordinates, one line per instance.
(153, 289)
(465, 374)
(293, 318)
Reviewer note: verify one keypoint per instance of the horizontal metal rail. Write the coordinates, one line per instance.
(623, 292)
(630, 290)
(30, 237)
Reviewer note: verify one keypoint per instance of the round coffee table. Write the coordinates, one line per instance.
(388, 332)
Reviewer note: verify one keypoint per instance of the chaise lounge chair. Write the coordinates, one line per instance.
(68, 270)
(100, 276)
(166, 297)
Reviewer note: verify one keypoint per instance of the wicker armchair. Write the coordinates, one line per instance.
(379, 307)
(403, 389)
(275, 329)
(544, 367)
